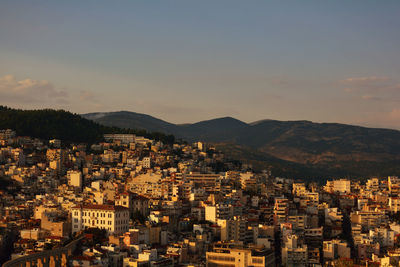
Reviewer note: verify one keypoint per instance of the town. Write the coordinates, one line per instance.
(132, 201)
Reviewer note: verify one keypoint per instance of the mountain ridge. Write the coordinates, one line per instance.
(90, 114)
(304, 142)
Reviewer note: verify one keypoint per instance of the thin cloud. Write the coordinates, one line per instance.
(366, 83)
(279, 81)
(393, 87)
(87, 96)
(391, 118)
(29, 90)
(365, 80)
(394, 114)
(371, 97)
(386, 119)
(372, 88)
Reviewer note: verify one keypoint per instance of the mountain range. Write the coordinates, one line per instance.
(300, 148)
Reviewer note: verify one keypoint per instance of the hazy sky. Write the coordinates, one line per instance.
(185, 61)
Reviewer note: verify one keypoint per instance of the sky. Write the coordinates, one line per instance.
(187, 61)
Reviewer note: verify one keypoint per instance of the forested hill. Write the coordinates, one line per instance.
(64, 125)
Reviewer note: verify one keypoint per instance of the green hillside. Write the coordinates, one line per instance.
(64, 125)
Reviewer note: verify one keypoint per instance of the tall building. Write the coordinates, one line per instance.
(394, 185)
(394, 204)
(75, 178)
(281, 210)
(56, 159)
(146, 162)
(218, 211)
(233, 229)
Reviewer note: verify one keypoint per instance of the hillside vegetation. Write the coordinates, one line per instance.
(64, 125)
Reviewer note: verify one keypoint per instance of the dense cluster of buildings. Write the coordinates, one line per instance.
(139, 202)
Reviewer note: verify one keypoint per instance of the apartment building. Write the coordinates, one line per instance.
(233, 229)
(218, 211)
(281, 210)
(294, 253)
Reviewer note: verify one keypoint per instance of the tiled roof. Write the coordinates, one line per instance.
(100, 207)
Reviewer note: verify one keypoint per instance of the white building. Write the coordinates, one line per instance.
(114, 219)
(394, 184)
(294, 254)
(394, 204)
(372, 184)
(240, 257)
(333, 249)
(233, 229)
(341, 186)
(219, 211)
(385, 237)
(75, 178)
(124, 138)
(146, 162)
